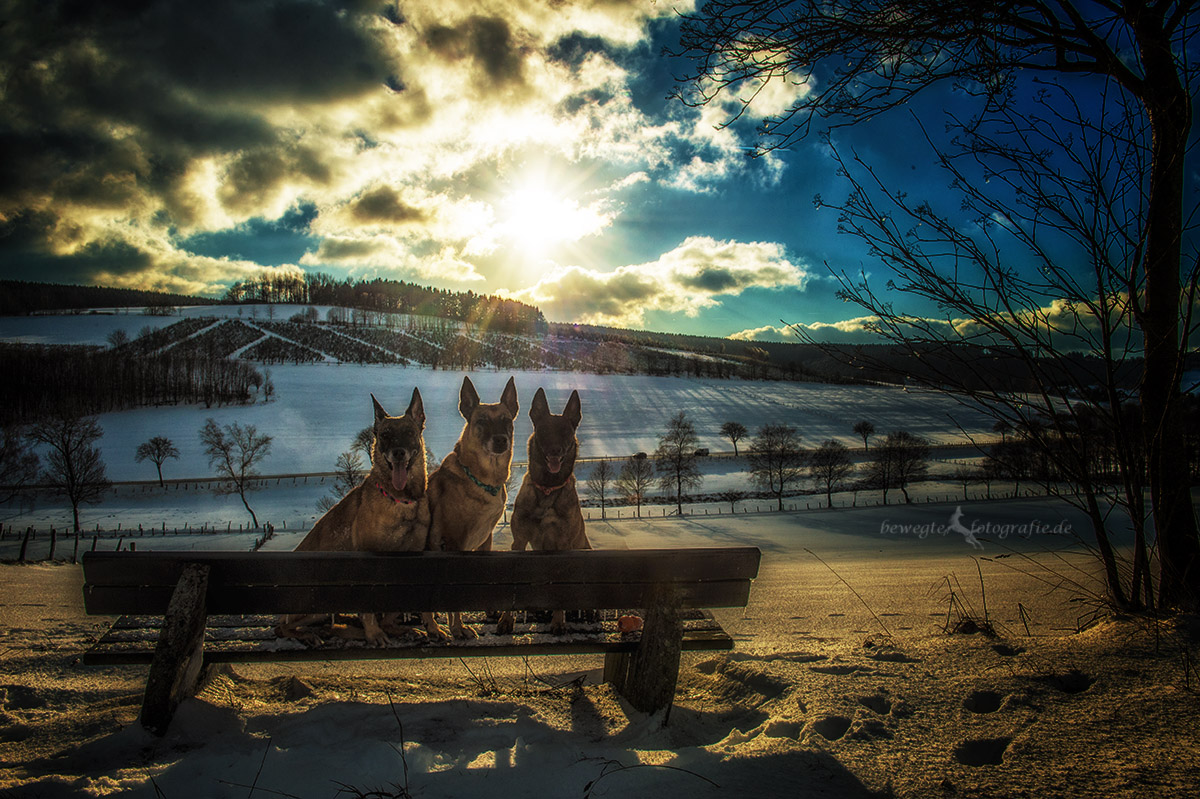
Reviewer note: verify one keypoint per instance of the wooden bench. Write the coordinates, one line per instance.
(182, 610)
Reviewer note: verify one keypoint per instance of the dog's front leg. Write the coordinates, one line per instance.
(373, 632)
(435, 631)
(558, 622)
(460, 630)
(292, 626)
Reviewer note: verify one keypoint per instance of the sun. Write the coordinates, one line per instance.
(537, 218)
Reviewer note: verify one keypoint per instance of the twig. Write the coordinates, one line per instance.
(982, 589)
(258, 773)
(255, 788)
(587, 789)
(400, 724)
(860, 599)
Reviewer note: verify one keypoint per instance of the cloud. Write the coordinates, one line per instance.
(383, 204)
(688, 279)
(129, 129)
(859, 330)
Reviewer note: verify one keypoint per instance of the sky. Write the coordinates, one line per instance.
(501, 146)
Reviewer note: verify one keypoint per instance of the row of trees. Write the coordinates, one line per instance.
(74, 467)
(778, 464)
(486, 311)
(48, 381)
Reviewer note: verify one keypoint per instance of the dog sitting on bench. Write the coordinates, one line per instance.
(387, 512)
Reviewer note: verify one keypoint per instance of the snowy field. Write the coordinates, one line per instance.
(318, 409)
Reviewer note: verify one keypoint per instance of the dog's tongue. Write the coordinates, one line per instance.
(553, 464)
(399, 477)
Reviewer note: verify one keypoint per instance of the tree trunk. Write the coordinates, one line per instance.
(242, 494)
(1169, 109)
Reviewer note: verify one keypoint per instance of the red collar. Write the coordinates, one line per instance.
(550, 490)
(397, 500)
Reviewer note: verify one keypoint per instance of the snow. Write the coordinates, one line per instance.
(842, 683)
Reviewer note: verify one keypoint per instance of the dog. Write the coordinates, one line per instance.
(387, 512)
(468, 491)
(546, 513)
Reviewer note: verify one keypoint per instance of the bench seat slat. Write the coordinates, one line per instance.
(251, 639)
(444, 568)
(226, 599)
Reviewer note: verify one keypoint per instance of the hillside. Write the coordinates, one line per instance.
(409, 340)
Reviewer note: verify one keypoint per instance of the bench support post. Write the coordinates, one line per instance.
(647, 676)
(179, 654)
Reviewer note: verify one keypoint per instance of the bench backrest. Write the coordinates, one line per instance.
(350, 582)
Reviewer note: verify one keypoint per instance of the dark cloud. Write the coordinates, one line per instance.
(711, 279)
(255, 176)
(574, 49)
(383, 204)
(488, 41)
(105, 101)
(333, 249)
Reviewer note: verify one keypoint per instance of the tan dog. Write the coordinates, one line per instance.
(388, 512)
(468, 491)
(546, 514)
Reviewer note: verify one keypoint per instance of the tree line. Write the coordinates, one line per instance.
(394, 296)
(47, 380)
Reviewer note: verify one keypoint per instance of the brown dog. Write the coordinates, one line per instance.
(468, 491)
(546, 513)
(388, 512)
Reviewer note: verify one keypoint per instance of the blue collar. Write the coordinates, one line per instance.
(493, 490)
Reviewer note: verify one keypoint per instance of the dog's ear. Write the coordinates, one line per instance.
(380, 413)
(539, 409)
(509, 398)
(416, 409)
(468, 399)
(573, 413)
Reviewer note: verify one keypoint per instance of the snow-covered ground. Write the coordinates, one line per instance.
(842, 684)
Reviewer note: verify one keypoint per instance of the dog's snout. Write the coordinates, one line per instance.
(499, 443)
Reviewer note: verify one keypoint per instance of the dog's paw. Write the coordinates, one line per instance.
(437, 634)
(558, 623)
(465, 632)
(306, 637)
(506, 624)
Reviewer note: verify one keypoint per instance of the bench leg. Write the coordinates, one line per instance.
(179, 654)
(647, 676)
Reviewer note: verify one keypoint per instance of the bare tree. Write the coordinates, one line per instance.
(634, 480)
(234, 451)
(675, 459)
(364, 440)
(864, 430)
(735, 432)
(157, 450)
(117, 338)
(1123, 76)
(348, 474)
(830, 467)
(601, 475)
(967, 476)
(18, 463)
(75, 467)
(776, 459)
(733, 498)
(899, 461)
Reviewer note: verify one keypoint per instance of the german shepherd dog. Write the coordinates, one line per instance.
(546, 513)
(387, 512)
(468, 491)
